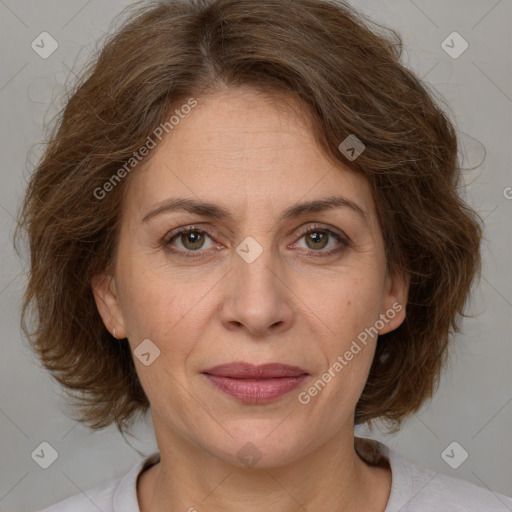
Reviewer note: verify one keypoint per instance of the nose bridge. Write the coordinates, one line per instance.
(258, 299)
(256, 260)
(254, 264)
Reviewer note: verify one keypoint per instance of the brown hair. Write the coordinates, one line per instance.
(349, 80)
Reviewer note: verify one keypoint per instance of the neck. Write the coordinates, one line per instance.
(332, 477)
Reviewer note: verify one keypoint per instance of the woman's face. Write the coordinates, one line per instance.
(249, 285)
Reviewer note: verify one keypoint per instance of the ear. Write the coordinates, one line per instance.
(396, 291)
(106, 298)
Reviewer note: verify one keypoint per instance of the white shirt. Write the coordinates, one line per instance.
(413, 489)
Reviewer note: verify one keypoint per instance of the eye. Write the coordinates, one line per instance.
(191, 239)
(318, 238)
(194, 240)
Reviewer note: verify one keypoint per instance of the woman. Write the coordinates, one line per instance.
(248, 223)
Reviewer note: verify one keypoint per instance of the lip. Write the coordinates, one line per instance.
(243, 370)
(256, 383)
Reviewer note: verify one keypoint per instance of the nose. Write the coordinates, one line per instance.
(258, 299)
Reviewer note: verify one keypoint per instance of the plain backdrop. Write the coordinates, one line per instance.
(473, 406)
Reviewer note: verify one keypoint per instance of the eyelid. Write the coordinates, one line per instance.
(187, 228)
(311, 227)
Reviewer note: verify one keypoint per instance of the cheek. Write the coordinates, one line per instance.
(146, 306)
(348, 309)
(163, 308)
(344, 306)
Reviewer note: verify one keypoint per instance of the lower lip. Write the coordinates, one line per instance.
(256, 390)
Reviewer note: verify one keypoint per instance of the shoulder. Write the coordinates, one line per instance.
(115, 496)
(418, 489)
(433, 491)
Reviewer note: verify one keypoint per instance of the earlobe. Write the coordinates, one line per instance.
(105, 295)
(395, 301)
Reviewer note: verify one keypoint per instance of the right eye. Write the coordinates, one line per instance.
(191, 239)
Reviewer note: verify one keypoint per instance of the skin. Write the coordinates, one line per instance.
(243, 150)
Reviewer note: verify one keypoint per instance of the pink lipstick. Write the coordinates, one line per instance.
(256, 383)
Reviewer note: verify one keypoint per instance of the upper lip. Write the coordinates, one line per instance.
(243, 370)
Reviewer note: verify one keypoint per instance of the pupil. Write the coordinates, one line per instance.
(317, 237)
(197, 241)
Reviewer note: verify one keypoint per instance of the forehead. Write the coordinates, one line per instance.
(245, 150)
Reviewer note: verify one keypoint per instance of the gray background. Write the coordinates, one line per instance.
(473, 405)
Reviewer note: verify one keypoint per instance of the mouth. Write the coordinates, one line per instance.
(250, 383)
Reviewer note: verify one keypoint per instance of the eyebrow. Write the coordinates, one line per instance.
(219, 212)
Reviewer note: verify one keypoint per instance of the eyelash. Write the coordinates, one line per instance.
(345, 242)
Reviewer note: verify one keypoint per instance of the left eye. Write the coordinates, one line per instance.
(318, 238)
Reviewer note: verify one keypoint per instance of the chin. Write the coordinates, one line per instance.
(250, 450)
